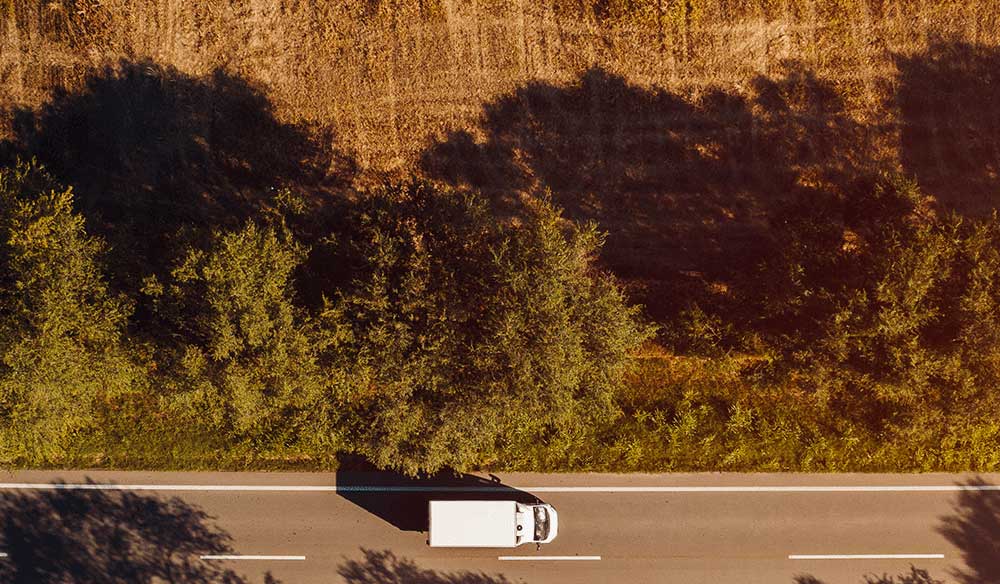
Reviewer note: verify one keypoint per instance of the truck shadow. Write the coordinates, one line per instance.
(402, 500)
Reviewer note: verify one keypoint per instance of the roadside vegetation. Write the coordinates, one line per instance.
(448, 339)
(649, 247)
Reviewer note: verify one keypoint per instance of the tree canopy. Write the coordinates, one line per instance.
(473, 338)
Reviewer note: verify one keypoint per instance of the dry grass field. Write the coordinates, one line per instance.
(676, 125)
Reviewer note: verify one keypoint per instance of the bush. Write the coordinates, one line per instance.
(247, 364)
(61, 329)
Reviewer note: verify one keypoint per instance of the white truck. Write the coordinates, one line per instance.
(494, 524)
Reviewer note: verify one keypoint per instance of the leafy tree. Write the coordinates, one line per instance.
(887, 306)
(978, 303)
(248, 357)
(474, 341)
(61, 329)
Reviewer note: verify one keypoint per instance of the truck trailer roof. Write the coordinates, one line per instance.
(473, 524)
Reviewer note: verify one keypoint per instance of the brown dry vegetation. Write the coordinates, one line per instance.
(394, 76)
(673, 123)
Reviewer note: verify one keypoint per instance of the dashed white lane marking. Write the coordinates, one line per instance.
(866, 557)
(500, 489)
(555, 558)
(242, 557)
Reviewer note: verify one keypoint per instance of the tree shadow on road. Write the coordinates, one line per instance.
(384, 567)
(402, 500)
(974, 528)
(108, 537)
(914, 576)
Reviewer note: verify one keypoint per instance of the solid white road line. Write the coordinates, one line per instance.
(556, 558)
(502, 489)
(241, 557)
(770, 489)
(866, 557)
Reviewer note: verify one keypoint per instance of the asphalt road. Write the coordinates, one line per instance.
(697, 528)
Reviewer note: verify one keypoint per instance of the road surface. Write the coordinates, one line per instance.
(685, 528)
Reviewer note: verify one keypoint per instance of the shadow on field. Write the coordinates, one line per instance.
(684, 185)
(111, 537)
(403, 501)
(949, 104)
(383, 567)
(157, 158)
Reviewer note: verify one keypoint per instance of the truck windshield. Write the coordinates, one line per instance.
(541, 523)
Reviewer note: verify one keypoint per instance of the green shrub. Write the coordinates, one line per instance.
(61, 329)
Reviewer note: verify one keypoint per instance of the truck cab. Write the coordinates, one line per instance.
(536, 523)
